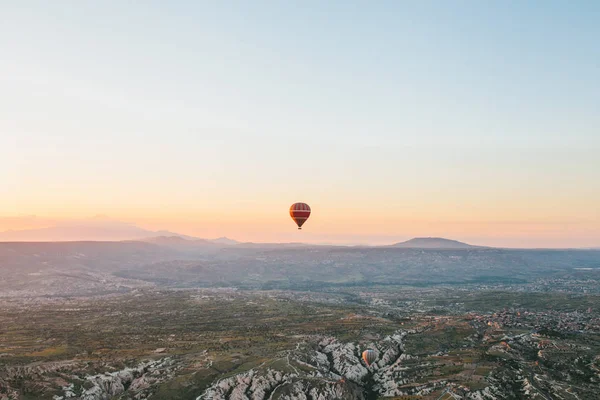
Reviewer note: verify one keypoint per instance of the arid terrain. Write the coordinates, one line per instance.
(101, 321)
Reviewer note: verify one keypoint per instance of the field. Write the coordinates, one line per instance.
(188, 340)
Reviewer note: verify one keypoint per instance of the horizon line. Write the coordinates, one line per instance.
(305, 244)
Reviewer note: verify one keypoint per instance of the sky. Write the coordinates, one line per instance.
(465, 119)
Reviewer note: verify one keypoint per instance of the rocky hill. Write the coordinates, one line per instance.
(433, 243)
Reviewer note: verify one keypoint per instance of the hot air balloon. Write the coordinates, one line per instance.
(299, 213)
(369, 356)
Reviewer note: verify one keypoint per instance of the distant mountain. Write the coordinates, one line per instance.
(224, 240)
(174, 240)
(433, 243)
(101, 228)
(169, 233)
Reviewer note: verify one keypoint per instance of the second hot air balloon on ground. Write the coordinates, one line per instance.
(369, 356)
(299, 213)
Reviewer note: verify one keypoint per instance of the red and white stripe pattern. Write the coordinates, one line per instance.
(300, 213)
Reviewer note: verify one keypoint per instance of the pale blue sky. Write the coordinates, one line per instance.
(454, 111)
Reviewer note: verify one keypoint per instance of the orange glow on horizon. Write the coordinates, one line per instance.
(364, 228)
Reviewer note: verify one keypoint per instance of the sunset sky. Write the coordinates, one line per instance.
(477, 121)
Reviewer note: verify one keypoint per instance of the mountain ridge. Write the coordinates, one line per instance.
(433, 243)
(101, 229)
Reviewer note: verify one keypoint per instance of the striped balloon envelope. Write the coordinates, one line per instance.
(299, 213)
(369, 356)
